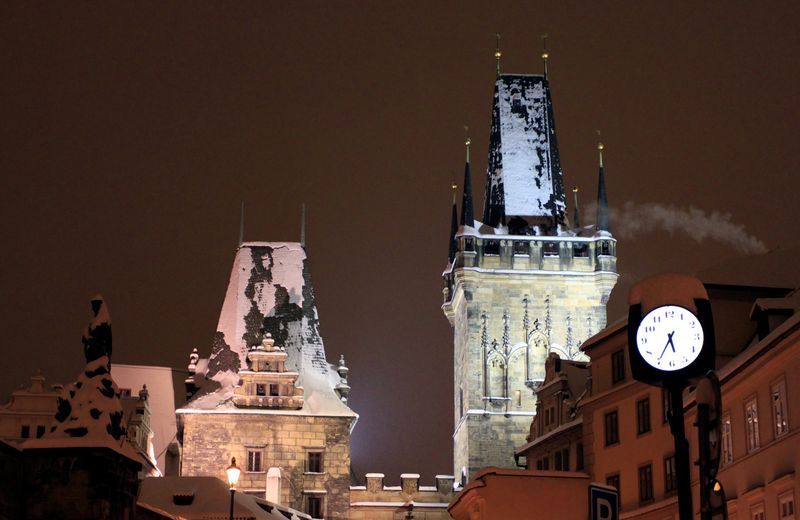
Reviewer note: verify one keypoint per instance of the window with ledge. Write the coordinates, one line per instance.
(254, 456)
(642, 416)
(611, 421)
(786, 506)
(751, 424)
(314, 461)
(727, 439)
(274, 390)
(780, 416)
(543, 463)
(580, 250)
(645, 483)
(314, 506)
(757, 511)
(617, 366)
(670, 478)
(469, 244)
(562, 460)
(605, 248)
(25, 431)
(261, 390)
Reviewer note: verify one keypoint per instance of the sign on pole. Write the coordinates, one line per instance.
(603, 502)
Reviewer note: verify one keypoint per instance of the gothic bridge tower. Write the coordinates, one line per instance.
(522, 282)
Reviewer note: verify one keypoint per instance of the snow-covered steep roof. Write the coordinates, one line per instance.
(524, 175)
(269, 291)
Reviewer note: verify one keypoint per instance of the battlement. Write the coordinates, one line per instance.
(376, 500)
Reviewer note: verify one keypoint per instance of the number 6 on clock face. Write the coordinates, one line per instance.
(669, 338)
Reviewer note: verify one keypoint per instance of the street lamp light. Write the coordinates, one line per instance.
(233, 472)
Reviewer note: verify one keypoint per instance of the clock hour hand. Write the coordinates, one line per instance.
(669, 343)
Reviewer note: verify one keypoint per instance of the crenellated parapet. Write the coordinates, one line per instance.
(376, 500)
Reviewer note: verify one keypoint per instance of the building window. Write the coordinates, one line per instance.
(670, 479)
(314, 506)
(751, 424)
(25, 432)
(522, 248)
(274, 390)
(580, 250)
(786, 506)
(558, 465)
(261, 390)
(646, 483)
(642, 416)
(543, 463)
(491, 247)
(613, 481)
(314, 462)
(124, 392)
(611, 428)
(666, 405)
(727, 439)
(779, 410)
(618, 366)
(579, 456)
(254, 456)
(551, 249)
(565, 459)
(757, 511)
(39, 431)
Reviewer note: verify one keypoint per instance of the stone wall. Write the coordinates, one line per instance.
(211, 439)
(377, 501)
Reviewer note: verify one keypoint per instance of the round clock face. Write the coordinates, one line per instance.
(669, 338)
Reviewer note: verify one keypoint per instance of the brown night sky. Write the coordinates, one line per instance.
(131, 132)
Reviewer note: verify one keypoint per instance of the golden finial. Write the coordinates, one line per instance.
(574, 189)
(497, 52)
(545, 54)
(455, 189)
(467, 140)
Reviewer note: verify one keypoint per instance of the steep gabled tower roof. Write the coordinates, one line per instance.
(524, 176)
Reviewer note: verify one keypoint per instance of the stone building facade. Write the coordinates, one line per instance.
(521, 283)
(266, 395)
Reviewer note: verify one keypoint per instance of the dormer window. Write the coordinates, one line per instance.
(261, 390)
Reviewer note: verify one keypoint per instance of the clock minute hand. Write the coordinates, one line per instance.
(669, 340)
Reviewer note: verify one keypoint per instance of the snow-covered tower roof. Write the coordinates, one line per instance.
(524, 175)
(270, 291)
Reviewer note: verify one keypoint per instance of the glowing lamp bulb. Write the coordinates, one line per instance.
(233, 472)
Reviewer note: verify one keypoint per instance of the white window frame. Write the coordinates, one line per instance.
(727, 439)
(757, 511)
(780, 409)
(751, 424)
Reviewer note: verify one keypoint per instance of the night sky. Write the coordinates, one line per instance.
(132, 132)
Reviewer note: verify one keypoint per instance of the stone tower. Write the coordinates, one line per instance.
(267, 395)
(522, 283)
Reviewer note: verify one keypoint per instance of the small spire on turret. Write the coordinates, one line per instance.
(602, 199)
(453, 227)
(497, 52)
(545, 54)
(467, 213)
(241, 226)
(577, 213)
(303, 225)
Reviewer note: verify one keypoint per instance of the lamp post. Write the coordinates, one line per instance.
(233, 472)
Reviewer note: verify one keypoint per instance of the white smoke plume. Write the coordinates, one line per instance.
(634, 219)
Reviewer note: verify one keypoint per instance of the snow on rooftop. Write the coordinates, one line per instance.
(270, 291)
(668, 288)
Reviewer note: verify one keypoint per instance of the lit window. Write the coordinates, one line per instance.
(751, 424)
(786, 506)
(618, 366)
(314, 462)
(779, 411)
(727, 440)
(611, 428)
(643, 416)
(670, 478)
(254, 456)
(646, 483)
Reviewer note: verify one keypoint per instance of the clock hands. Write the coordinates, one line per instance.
(669, 344)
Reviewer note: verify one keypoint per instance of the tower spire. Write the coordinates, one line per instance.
(545, 54)
(451, 255)
(497, 52)
(577, 212)
(303, 224)
(602, 199)
(467, 213)
(241, 225)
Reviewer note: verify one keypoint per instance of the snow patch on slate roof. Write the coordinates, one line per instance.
(269, 290)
